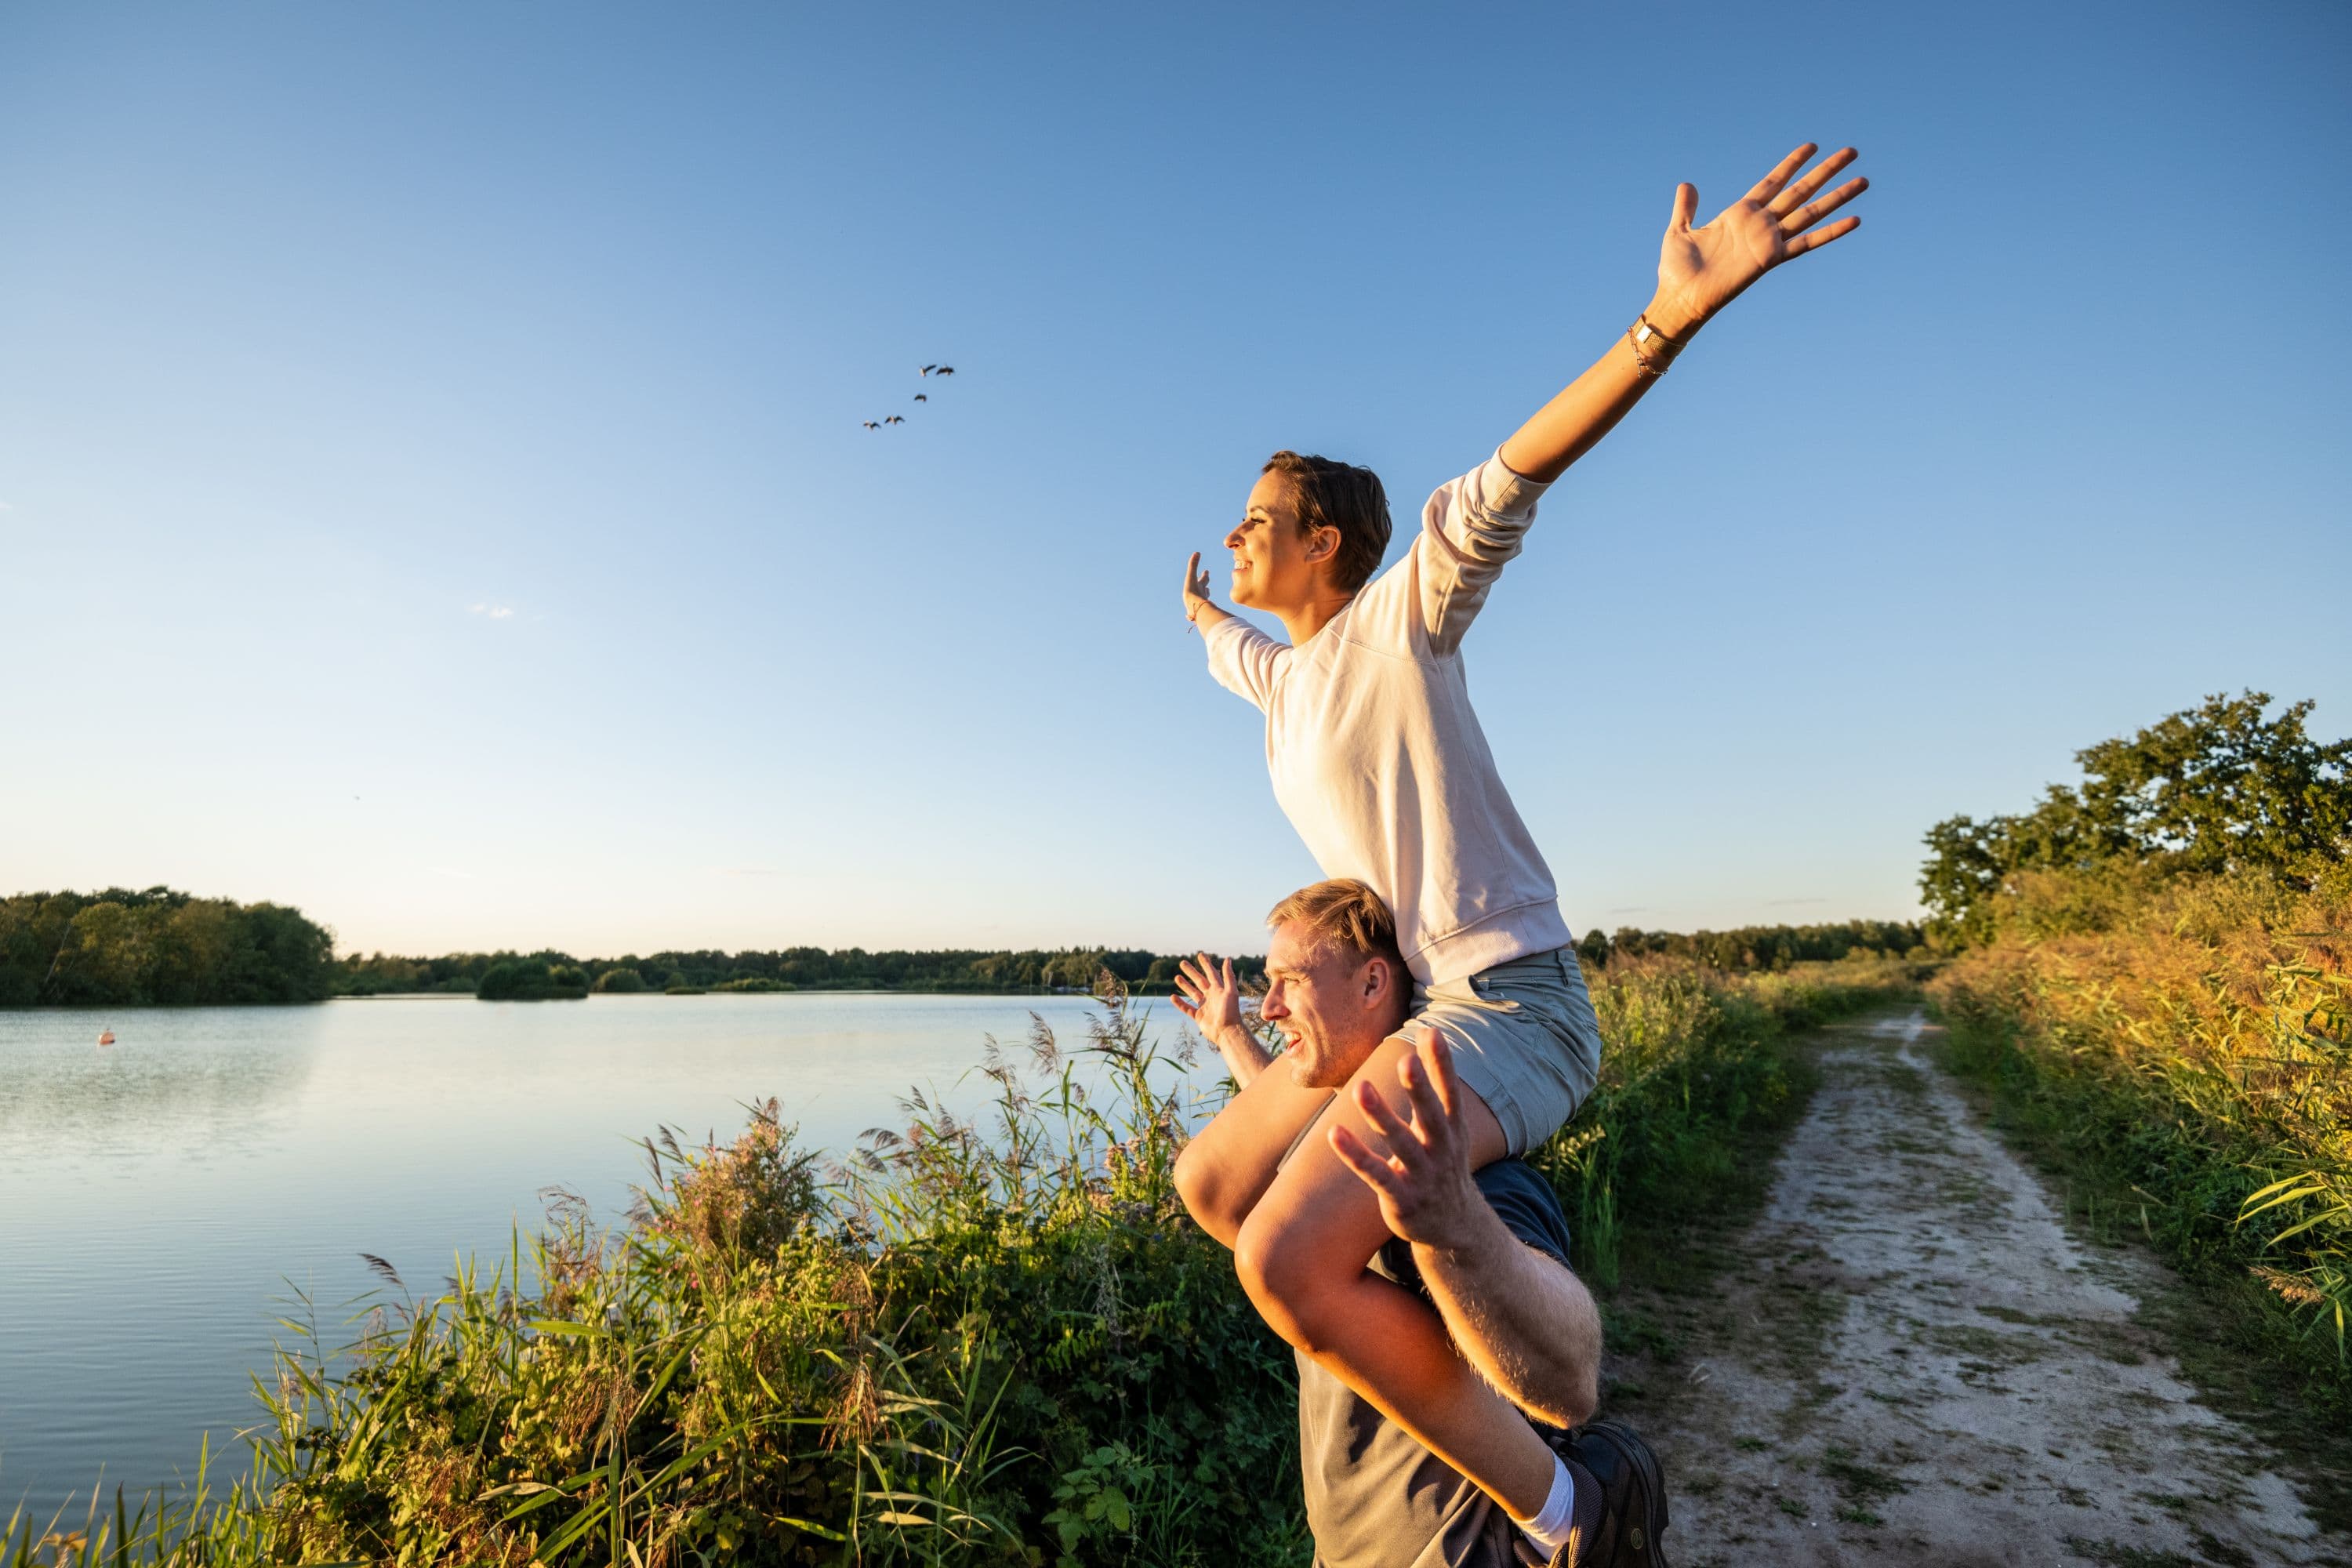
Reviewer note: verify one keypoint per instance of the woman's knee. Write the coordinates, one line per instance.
(1297, 1299)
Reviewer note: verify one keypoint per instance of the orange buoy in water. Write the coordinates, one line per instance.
(106, 1037)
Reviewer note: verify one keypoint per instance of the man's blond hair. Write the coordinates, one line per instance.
(1342, 913)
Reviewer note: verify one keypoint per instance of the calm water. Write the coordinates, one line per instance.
(159, 1197)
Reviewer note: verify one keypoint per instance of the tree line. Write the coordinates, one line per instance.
(158, 946)
(1751, 947)
(162, 946)
(548, 973)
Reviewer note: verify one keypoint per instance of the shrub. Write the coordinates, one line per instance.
(530, 980)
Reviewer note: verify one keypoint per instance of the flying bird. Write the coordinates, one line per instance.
(927, 369)
(894, 419)
(922, 397)
(946, 370)
(871, 423)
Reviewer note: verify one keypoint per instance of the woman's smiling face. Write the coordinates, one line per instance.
(1277, 566)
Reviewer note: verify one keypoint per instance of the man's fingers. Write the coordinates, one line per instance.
(1375, 1172)
(1813, 180)
(1438, 1058)
(1765, 189)
(1393, 1127)
(1428, 1115)
(1822, 237)
(1805, 216)
(1685, 206)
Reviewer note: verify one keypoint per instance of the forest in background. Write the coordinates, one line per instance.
(163, 947)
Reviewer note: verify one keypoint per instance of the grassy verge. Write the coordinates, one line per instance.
(2175, 1055)
(976, 1342)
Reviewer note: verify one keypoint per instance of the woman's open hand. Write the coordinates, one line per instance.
(1196, 586)
(1700, 270)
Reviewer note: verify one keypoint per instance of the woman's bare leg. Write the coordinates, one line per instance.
(1301, 1256)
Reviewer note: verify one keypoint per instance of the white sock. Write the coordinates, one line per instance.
(1548, 1529)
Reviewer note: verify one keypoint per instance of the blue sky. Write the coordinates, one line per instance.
(436, 494)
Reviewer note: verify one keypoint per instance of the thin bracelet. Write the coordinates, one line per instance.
(1642, 334)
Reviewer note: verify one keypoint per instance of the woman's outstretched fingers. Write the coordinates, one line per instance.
(1765, 189)
(1685, 206)
(1813, 180)
(1811, 213)
(1822, 237)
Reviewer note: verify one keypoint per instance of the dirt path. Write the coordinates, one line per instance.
(1909, 1360)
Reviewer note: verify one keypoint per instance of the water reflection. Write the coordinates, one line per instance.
(198, 1076)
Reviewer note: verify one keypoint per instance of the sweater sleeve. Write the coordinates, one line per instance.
(1244, 660)
(1470, 529)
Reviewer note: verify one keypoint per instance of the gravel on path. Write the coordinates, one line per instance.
(1910, 1360)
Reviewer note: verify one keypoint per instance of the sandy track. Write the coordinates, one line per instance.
(1909, 1360)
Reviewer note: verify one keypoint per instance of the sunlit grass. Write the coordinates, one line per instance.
(2193, 1035)
(976, 1339)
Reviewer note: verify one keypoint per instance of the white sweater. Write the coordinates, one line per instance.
(1378, 760)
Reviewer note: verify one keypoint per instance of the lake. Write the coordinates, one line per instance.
(162, 1198)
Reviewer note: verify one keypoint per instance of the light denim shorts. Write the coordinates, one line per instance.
(1524, 1037)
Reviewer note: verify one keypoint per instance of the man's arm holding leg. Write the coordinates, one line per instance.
(1517, 1314)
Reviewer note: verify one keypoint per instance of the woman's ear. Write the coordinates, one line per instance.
(1322, 544)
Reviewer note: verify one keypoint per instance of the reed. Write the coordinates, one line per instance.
(2187, 1040)
(975, 1338)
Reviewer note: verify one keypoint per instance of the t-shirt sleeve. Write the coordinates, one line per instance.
(1244, 659)
(1469, 531)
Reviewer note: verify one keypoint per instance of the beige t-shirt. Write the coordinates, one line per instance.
(1377, 758)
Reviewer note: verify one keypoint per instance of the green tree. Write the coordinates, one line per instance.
(2219, 787)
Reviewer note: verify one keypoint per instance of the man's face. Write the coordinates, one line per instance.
(1333, 1007)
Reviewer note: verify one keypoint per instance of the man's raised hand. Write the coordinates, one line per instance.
(1207, 994)
(1421, 1172)
(1700, 270)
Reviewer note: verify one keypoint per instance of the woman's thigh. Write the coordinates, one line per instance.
(1318, 1223)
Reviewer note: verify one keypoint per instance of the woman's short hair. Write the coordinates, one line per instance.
(1333, 494)
(1343, 913)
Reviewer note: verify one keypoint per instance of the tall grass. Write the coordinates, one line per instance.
(2191, 1038)
(975, 1340)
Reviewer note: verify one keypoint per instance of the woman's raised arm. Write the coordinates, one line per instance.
(1700, 270)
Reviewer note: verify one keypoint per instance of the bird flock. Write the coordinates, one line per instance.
(926, 372)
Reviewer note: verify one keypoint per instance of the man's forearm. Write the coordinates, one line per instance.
(1245, 1054)
(1572, 423)
(1522, 1319)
